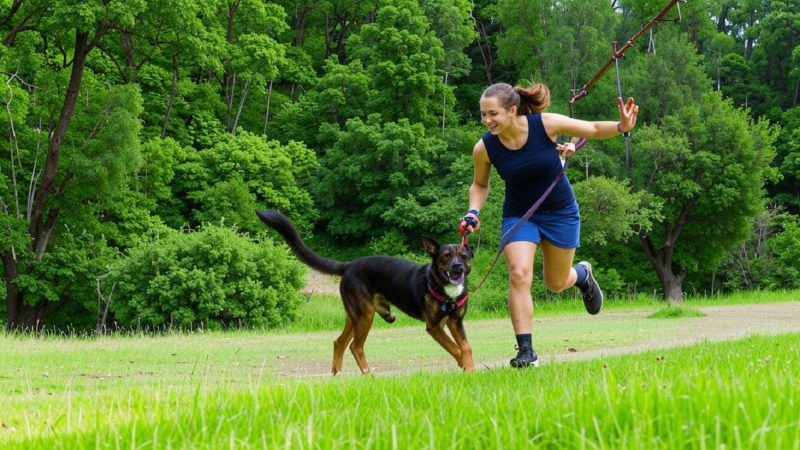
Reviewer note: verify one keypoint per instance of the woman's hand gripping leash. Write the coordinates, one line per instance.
(468, 224)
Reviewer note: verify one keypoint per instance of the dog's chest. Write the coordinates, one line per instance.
(453, 291)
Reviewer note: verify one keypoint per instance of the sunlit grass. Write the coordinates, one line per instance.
(325, 312)
(260, 388)
(676, 311)
(722, 395)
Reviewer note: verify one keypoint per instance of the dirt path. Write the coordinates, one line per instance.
(719, 323)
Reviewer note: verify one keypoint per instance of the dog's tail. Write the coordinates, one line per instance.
(284, 227)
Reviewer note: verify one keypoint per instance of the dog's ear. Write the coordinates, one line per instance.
(469, 251)
(431, 245)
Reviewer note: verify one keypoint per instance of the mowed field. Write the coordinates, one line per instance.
(621, 379)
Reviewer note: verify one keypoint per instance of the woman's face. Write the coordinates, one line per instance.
(495, 116)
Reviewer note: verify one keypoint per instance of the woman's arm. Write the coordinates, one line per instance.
(479, 191)
(556, 124)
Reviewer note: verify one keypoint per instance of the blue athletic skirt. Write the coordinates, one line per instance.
(561, 227)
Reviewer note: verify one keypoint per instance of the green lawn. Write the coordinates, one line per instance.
(270, 389)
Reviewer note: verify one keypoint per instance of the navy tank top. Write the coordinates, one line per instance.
(529, 171)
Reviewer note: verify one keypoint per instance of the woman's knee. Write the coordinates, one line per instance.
(520, 277)
(557, 285)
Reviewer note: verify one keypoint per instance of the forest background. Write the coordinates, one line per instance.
(142, 134)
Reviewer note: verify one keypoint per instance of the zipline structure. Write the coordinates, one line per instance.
(583, 92)
(614, 60)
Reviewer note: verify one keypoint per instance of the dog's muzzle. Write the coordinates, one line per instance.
(456, 273)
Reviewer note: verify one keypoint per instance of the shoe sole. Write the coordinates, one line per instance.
(515, 363)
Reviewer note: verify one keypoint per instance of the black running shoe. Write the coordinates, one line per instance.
(592, 295)
(526, 357)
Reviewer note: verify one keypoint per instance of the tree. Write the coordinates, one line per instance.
(102, 146)
(451, 22)
(236, 175)
(778, 34)
(401, 54)
(709, 165)
(370, 165)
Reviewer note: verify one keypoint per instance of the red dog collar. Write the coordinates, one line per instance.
(448, 301)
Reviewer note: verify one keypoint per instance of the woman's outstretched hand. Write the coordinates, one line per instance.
(627, 114)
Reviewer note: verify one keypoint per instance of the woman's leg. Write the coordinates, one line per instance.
(519, 258)
(557, 267)
(560, 274)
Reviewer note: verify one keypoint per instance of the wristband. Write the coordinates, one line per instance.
(624, 133)
(473, 212)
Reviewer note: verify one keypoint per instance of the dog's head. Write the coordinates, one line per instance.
(451, 263)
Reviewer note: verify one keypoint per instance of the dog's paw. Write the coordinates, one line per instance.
(389, 318)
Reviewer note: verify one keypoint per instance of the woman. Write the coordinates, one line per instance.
(521, 145)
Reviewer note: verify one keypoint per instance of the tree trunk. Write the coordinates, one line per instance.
(722, 19)
(661, 260)
(486, 53)
(241, 106)
(42, 217)
(171, 95)
(126, 39)
(300, 24)
(673, 290)
(230, 87)
(779, 75)
(266, 114)
(444, 100)
(341, 24)
(13, 296)
(748, 47)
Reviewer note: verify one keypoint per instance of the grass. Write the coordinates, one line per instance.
(721, 395)
(676, 312)
(239, 389)
(325, 312)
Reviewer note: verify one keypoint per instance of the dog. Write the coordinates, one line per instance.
(435, 293)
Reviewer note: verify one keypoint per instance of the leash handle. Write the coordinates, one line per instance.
(462, 228)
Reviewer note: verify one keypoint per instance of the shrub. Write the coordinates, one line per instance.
(211, 277)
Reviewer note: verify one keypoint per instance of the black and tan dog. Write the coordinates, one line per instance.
(434, 293)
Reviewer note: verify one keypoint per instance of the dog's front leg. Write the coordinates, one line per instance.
(437, 333)
(456, 328)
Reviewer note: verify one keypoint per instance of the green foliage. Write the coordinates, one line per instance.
(667, 83)
(239, 173)
(611, 213)
(194, 111)
(711, 180)
(111, 151)
(786, 264)
(370, 166)
(400, 51)
(450, 20)
(211, 277)
(341, 93)
(65, 275)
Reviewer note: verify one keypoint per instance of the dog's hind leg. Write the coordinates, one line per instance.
(456, 328)
(361, 326)
(340, 344)
(383, 308)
